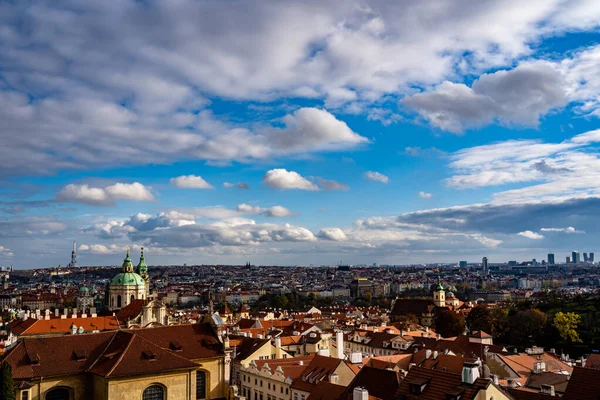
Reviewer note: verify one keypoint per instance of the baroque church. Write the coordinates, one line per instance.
(130, 284)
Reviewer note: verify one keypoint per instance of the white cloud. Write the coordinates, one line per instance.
(5, 252)
(568, 229)
(284, 179)
(190, 182)
(531, 235)
(376, 177)
(335, 234)
(137, 101)
(425, 195)
(104, 196)
(275, 211)
(518, 96)
(239, 185)
(559, 170)
(101, 249)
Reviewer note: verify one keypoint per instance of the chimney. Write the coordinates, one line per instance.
(84, 315)
(470, 372)
(259, 336)
(300, 362)
(538, 367)
(495, 379)
(428, 354)
(334, 378)
(411, 365)
(278, 347)
(360, 394)
(547, 389)
(56, 312)
(339, 341)
(512, 383)
(356, 358)
(435, 355)
(438, 337)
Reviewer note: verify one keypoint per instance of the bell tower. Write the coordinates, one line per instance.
(439, 295)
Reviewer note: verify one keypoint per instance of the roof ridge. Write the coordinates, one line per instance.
(103, 351)
(122, 353)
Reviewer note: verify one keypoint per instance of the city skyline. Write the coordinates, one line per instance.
(298, 133)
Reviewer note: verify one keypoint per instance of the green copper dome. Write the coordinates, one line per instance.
(439, 287)
(142, 268)
(127, 278)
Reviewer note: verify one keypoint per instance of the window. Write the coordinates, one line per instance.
(200, 384)
(119, 301)
(132, 299)
(154, 392)
(295, 396)
(58, 394)
(25, 395)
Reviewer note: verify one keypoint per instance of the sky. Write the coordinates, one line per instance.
(298, 132)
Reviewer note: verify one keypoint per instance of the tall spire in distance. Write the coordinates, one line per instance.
(73, 262)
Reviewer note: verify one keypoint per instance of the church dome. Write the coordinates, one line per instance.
(127, 278)
(84, 289)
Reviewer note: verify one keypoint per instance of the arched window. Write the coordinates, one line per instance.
(119, 301)
(200, 384)
(132, 299)
(60, 393)
(154, 392)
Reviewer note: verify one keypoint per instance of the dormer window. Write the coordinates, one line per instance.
(149, 355)
(417, 386)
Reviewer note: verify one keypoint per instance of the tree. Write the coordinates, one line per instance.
(527, 327)
(566, 325)
(7, 386)
(448, 323)
(406, 321)
(479, 319)
(368, 297)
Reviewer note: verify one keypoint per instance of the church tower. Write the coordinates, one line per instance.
(142, 270)
(73, 263)
(126, 286)
(439, 295)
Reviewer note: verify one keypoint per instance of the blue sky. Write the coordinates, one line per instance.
(298, 132)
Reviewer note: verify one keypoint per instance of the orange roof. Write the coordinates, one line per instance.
(291, 366)
(62, 326)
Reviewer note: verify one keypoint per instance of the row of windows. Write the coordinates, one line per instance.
(260, 383)
(153, 392)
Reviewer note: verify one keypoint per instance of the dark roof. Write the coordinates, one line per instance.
(115, 353)
(583, 384)
(593, 361)
(559, 381)
(380, 383)
(246, 346)
(132, 310)
(319, 369)
(410, 306)
(326, 391)
(525, 394)
(439, 384)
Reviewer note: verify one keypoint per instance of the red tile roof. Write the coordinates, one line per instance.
(583, 384)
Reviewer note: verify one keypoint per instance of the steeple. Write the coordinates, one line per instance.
(127, 264)
(142, 268)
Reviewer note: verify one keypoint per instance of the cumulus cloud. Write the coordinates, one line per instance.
(518, 96)
(104, 196)
(239, 185)
(332, 185)
(335, 234)
(376, 177)
(142, 100)
(284, 179)
(190, 182)
(531, 235)
(425, 195)
(100, 249)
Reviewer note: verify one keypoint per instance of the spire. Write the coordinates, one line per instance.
(127, 264)
(142, 268)
(439, 287)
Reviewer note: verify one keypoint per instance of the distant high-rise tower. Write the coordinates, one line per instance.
(484, 265)
(585, 257)
(462, 264)
(591, 258)
(73, 262)
(550, 258)
(568, 260)
(575, 257)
